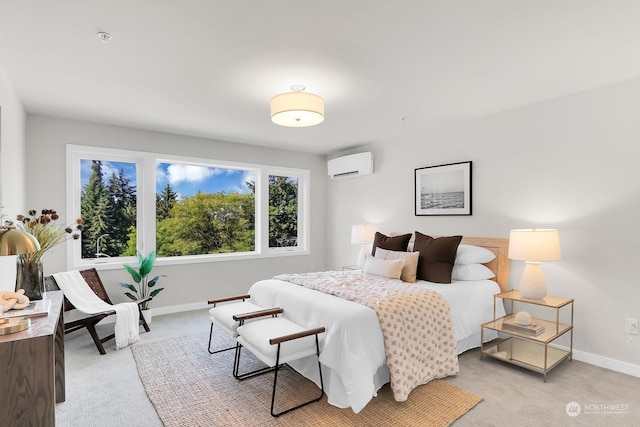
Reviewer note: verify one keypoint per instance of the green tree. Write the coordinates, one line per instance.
(207, 224)
(164, 202)
(94, 208)
(122, 212)
(132, 242)
(283, 211)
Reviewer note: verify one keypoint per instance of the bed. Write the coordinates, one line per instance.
(353, 356)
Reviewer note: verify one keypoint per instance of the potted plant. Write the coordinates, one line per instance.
(49, 233)
(143, 287)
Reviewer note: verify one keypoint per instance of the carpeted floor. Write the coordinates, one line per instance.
(106, 391)
(190, 387)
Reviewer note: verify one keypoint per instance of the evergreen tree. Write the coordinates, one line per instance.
(121, 213)
(283, 211)
(164, 202)
(94, 209)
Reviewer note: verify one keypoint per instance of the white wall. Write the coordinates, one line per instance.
(185, 284)
(12, 166)
(568, 163)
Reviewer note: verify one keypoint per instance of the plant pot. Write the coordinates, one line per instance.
(147, 314)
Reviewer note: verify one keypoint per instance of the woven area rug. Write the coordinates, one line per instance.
(190, 387)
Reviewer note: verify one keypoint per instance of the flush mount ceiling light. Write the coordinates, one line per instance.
(297, 108)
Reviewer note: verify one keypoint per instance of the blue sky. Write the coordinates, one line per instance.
(186, 180)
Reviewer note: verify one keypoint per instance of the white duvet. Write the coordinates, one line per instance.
(352, 350)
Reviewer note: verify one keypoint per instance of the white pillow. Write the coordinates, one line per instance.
(471, 272)
(382, 267)
(469, 254)
(410, 268)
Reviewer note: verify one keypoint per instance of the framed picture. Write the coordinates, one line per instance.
(443, 189)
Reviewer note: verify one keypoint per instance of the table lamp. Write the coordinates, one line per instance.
(534, 246)
(16, 242)
(362, 235)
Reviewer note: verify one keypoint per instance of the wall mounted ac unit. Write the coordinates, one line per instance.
(351, 166)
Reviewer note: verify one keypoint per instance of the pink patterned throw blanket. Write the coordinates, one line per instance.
(416, 324)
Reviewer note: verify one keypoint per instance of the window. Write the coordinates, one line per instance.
(283, 211)
(108, 208)
(204, 210)
(188, 210)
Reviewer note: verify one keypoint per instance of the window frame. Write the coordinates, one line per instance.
(146, 205)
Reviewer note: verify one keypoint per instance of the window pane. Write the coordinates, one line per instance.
(283, 211)
(204, 210)
(108, 205)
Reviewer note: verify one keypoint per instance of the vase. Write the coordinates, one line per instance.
(30, 277)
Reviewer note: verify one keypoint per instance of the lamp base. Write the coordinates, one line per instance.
(362, 256)
(532, 284)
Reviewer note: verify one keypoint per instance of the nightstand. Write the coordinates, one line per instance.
(523, 347)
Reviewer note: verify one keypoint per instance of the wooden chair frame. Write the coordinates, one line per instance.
(93, 281)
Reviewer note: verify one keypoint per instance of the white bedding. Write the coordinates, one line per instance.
(352, 350)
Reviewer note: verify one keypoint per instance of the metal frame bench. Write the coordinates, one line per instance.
(275, 341)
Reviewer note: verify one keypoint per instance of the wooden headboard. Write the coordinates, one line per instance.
(500, 265)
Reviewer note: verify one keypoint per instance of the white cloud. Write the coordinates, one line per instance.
(180, 173)
(107, 170)
(249, 175)
(160, 175)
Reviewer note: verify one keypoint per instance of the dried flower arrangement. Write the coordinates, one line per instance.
(47, 231)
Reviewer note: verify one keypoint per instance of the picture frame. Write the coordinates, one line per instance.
(443, 189)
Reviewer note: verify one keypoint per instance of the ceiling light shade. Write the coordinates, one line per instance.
(297, 108)
(17, 242)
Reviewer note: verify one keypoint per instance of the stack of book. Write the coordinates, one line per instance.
(534, 329)
(34, 309)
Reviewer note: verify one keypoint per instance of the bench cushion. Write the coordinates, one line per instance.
(222, 315)
(255, 336)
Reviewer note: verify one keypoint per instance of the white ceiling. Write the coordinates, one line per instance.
(386, 68)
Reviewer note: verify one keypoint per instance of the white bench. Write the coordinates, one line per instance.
(276, 341)
(222, 314)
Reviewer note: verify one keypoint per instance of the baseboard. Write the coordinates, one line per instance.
(165, 310)
(582, 356)
(607, 363)
(180, 308)
(604, 362)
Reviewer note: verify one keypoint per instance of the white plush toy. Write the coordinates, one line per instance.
(13, 300)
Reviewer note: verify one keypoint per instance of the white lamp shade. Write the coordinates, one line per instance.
(362, 234)
(534, 245)
(297, 109)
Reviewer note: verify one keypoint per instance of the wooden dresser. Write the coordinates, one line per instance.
(32, 369)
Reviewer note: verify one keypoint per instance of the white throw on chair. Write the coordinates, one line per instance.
(83, 298)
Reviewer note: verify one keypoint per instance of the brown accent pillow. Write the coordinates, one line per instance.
(394, 243)
(437, 256)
